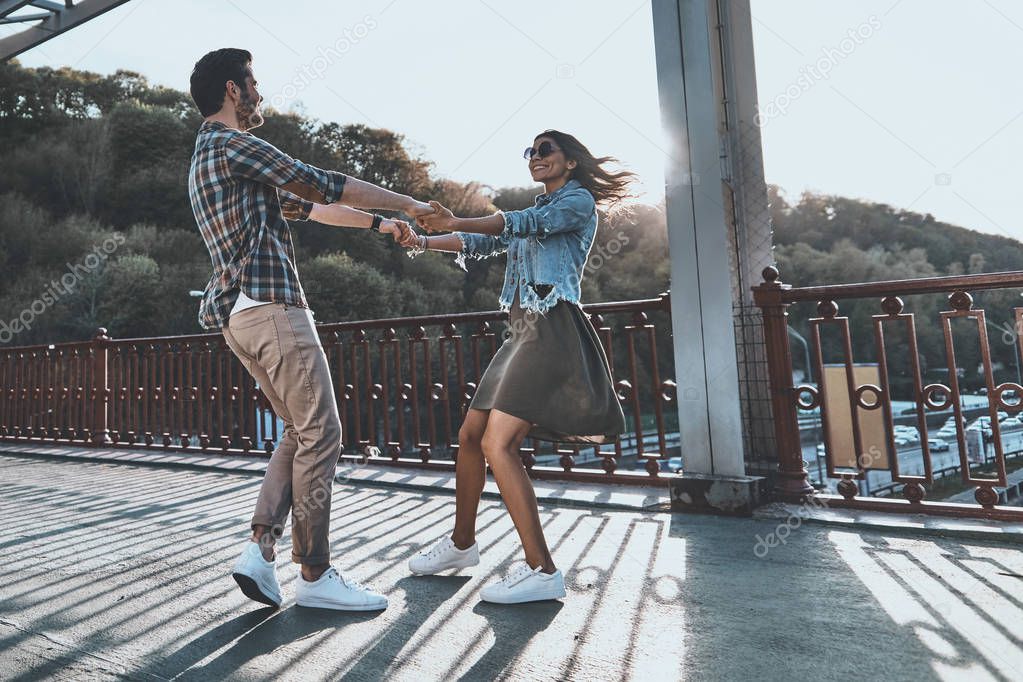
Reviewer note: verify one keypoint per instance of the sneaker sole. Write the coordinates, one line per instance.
(321, 604)
(523, 599)
(443, 568)
(250, 588)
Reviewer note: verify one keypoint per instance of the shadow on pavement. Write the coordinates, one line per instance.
(290, 625)
(514, 626)
(426, 594)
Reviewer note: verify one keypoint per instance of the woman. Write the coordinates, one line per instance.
(550, 378)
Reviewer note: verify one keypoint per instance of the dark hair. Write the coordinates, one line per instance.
(605, 186)
(211, 73)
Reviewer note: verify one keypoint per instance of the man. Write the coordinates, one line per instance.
(243, 191)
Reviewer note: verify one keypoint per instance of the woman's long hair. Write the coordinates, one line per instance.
(607, 187)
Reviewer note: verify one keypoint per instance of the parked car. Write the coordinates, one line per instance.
(938, 445)
(975, 426)
(1011, 422)
(672, 464)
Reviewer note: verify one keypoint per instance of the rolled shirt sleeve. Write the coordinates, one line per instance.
(294, 207)
(568, 212)
(256, 159)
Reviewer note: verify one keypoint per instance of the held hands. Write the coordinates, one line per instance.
(409, 239)
(415, 208)
(439, 219)
(398, 229)
(431, 217)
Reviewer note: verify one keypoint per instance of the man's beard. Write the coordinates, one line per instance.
(248, 114)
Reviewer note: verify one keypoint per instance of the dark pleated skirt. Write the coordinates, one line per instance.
(551, 371)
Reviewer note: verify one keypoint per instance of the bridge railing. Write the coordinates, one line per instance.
(856, 412)
(402, 387)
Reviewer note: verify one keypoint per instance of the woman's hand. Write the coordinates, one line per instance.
(441, 220)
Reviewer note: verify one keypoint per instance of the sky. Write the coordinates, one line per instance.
(913, 108)
(923, 113)
(469, 85)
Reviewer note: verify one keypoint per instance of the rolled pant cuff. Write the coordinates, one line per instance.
(276, 528)
(314, 560)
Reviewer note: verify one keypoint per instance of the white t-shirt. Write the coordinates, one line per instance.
(244, 302)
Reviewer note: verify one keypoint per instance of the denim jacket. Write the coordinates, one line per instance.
(547, 246)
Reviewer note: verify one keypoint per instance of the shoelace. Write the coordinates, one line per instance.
(348, 582)
(517, 574)
(437, 549)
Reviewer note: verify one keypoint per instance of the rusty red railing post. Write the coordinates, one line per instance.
(792, 484)
(100, 434)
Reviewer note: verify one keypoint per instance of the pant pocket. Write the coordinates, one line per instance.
(261, 341)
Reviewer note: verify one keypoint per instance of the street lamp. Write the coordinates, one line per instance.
(809, 379)
(806, 351)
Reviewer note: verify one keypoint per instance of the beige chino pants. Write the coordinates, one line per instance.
(279, 346)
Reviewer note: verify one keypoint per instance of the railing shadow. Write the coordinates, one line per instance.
(513, 628)
(842, 604)
(155, 599)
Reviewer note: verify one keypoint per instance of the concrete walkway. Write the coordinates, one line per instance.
(121, 571)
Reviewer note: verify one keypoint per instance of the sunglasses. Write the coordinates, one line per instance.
(543, 151)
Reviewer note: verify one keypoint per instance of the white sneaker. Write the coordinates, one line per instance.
(524, 584)
(257, 577)
(443, 556)
(334, 591)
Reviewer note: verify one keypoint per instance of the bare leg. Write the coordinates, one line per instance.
(470, 475)
(262, 536)
(501, 440)
(312, 573)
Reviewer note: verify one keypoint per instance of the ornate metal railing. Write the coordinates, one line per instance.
(864, 397)
(402, 387)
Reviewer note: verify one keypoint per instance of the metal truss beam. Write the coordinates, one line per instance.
(54, 19)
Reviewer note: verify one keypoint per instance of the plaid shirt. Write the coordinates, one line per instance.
(242, 191)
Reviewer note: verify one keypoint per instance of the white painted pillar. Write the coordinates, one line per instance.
(710, 418)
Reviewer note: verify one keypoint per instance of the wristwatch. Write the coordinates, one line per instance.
(377, 219)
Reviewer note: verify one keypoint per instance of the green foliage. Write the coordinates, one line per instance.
(339, 288)
(834, 240)
(88, 158)
(823, 221)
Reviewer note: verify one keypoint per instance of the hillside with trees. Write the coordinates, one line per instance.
(832, 240)
(86, 157)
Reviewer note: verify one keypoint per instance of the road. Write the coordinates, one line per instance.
(911, 459)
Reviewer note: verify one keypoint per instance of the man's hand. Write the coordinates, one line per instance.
(440, 219)
(414, 208)
(398, 229)
(409, 239)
